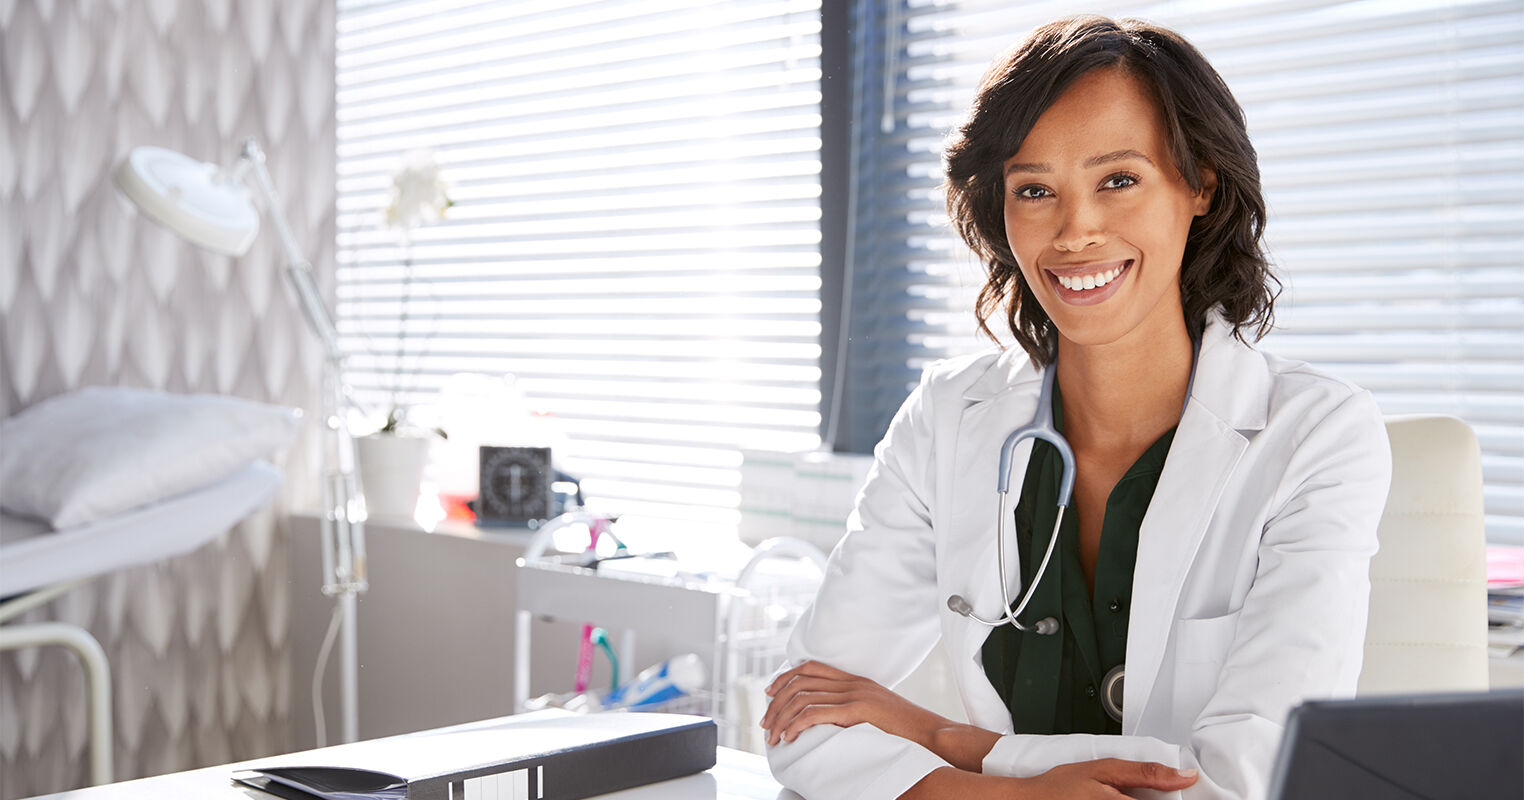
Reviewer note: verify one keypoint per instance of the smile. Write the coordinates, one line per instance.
(1090, 283)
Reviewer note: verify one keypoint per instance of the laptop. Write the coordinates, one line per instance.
(1404, 747)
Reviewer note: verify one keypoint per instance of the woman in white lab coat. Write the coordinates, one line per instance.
(1225, 500)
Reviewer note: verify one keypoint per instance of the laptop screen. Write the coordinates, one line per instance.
(1433, 747)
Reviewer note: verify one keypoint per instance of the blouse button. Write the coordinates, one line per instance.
(1090, 691)
(1116, 605)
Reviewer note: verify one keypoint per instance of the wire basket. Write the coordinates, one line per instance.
(696, 703)
(739, 627)
(770, 594)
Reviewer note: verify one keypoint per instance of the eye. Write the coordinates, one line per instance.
(1121, 180)
(1031, 192)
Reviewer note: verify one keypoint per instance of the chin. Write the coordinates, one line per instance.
(1099, 327)
(1087, 335)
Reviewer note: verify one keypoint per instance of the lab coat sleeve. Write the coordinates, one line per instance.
(1298, 634)
(875, 616)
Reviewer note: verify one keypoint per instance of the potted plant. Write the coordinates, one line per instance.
(393, 458)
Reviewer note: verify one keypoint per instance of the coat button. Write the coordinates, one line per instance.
(1090, 691)
(1116, 605)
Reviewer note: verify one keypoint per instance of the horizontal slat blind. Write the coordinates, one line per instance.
(635, 234)
(1391, 142)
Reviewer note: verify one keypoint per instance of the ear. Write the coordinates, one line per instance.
(1203, 199)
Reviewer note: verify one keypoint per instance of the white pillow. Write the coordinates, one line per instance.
(100, 451)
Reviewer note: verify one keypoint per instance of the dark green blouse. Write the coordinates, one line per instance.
(1052, 683)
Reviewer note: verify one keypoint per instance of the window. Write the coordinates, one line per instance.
(1391, 142)
(636, 229)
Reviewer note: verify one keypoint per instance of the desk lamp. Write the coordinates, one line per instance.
(212, 207)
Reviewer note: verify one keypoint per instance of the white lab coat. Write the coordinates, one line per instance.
(1251, 581)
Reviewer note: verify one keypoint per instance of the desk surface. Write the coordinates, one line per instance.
(737, 775)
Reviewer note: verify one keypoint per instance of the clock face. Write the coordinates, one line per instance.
(515, 484)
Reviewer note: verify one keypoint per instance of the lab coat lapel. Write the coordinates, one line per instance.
(1230, 395)
(1002, 400)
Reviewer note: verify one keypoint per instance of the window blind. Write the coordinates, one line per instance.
(635, 235)
(1391, 143)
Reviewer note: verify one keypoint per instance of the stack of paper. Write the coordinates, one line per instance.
(1505, 600)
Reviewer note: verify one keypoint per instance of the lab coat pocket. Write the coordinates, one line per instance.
(1201, 647)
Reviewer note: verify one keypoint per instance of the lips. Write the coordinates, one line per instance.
(1102, 278)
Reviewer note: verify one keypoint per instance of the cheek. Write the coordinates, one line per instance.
(1159, 230)
(1179, 216)
(1019, 239)
(1020, 235)
(1162, 252)
(1027, 273)
(1012, 229)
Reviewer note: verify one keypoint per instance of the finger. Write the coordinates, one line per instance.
(1144, 775)
(845, 714)
(797, 685)
(813, 668)
(797, 702)
(808, 709)
(783, 679)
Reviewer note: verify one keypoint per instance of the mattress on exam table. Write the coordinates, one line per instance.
(33, 556)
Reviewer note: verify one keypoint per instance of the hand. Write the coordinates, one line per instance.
(813, 693)
(1107, 778)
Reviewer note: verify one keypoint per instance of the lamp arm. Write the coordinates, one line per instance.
(298, 268)
(343, 523)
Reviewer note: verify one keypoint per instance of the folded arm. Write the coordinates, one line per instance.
(815, 694)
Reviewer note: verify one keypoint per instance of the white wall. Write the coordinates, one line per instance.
(92, 294)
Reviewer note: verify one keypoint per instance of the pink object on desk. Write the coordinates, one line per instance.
(585, 659)
(585, 649)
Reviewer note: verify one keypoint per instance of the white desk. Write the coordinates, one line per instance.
(736, 776)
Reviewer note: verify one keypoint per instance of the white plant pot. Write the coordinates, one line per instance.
(391, 468)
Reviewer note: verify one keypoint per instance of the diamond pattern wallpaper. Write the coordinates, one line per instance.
(93, 294)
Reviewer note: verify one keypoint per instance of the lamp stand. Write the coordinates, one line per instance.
(343, 520)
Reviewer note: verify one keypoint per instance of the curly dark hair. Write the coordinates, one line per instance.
(1224, 265)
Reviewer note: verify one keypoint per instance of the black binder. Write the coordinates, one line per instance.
(1458, 746)
(546, 755)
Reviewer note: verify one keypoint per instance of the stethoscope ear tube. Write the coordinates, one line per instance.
(1041, 427)
(1046, 626)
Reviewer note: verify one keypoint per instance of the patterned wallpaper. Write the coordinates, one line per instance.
(90, 293)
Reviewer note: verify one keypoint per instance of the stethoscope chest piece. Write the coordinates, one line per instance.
(1111, 691)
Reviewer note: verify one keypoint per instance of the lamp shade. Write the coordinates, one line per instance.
(192, 198)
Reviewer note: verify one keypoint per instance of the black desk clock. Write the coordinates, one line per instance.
(515, 486)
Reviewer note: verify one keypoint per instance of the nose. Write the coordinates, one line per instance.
(1079, 228)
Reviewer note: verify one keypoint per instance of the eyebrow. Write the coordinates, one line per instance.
(1094, 161)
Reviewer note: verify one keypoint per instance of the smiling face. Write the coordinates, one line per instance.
(1097, 214)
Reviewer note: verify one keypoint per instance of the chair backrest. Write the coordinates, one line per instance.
(1428, 615)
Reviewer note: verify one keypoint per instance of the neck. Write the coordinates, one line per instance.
(1125, 393)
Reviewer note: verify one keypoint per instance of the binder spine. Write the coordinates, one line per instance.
(524, 783)
(583, 772)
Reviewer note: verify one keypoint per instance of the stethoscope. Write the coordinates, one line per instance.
(1041, 427)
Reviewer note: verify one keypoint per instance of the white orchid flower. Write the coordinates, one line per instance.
(419, 194)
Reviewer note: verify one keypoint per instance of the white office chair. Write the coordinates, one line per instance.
(1428, 617)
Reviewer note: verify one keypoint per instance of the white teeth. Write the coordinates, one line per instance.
(1080, 283)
